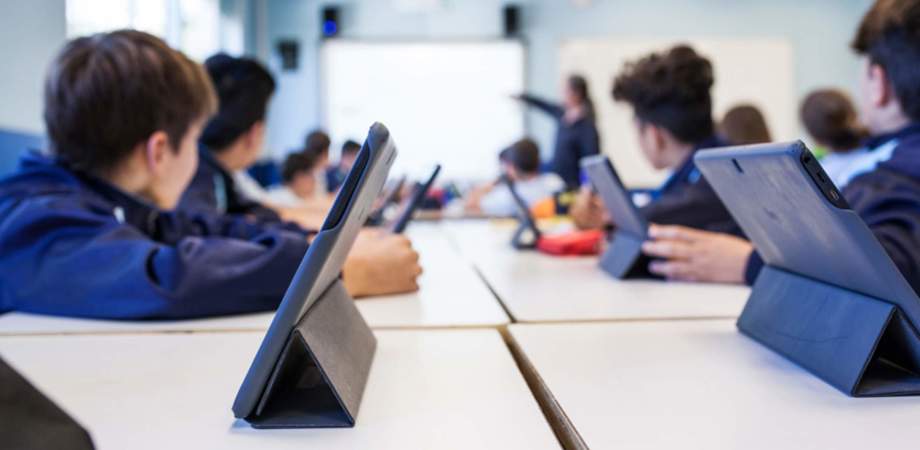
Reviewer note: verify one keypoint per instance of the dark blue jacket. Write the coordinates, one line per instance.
(574, 141)
(888, 200)
(213, 190)
(73, 245)
(687, 199)
(335, 178)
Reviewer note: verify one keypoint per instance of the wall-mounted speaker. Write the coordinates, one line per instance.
(511, 15)
(330, 21)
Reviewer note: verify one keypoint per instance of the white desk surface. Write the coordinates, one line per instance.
(542, 288)
(427, 389)
(701, 385)
(451, 295)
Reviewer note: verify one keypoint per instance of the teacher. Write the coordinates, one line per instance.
(577, 135)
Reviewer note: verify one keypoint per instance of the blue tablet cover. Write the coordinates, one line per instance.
(323, 262)
(795, 227)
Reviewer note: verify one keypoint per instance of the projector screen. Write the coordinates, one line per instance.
(446, 103)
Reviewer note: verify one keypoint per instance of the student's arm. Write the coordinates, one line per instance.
(546, 106)
(685, 254)
(87, 267)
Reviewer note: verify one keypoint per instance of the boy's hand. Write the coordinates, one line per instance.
(587, 211)
(695, 255)
(381, 264)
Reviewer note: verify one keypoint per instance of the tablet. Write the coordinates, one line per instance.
(421, 192)
(323, 262)
(387, 198)
(615, 197)
(799, 221)
(527, 235)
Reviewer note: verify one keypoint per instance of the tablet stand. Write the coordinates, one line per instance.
(526, 235)
(622, 258)
(859, 344)
(320, 377)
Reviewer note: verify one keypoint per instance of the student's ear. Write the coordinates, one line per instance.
(157, 150)
(881, 92)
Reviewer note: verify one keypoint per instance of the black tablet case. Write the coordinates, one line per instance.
(623, 258)
(29, 420)
(313, 365)
(829, 298)
(527, 234)
(418, 196)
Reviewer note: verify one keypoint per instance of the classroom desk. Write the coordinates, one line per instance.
(701, 385)
(451, 295)
(427, 389)
(539, 288)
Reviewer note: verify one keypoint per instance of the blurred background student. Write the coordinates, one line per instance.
(521, 163)
(744, 125)
(577, 135)
(335, 174)
(833, 123)
(299, 175)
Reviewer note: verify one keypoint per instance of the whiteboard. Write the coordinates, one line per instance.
(445, 103)
(750, 70)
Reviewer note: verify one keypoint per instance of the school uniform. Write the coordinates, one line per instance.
(335, 178)
(214, 190)
(687, 199)
(574, 141)
(500, 202)
(887, 197)
(73, 245)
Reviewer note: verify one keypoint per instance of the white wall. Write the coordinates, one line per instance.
(31, 32)
(819, 30)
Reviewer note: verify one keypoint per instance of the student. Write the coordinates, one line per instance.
(832, 121)
(670, 96)
(577, 135)
(335, 175)
(744, 125)
(886, 196)
(299, 176)
(89, 231)
(521, 163)
(318, 143)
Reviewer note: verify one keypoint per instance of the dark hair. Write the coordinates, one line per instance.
(106, 93)
(350, 147)
(317, 142)
(524, 155)
(244, 88)
(296, 163)
(670, 90)
(890, 36)
(579, 85)
(831, 119)
(744, 125)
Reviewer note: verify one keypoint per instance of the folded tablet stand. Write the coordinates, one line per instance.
(624, 255)
(320, 377)
(861, 345)
(526, 235)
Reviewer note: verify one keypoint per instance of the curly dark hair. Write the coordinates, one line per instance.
(889, 35)
(670, 90)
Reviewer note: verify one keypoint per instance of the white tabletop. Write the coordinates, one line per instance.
(427, 389)
(451, 295)
(701, 385)
(542, 288)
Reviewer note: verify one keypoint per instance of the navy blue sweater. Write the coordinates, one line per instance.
(573, 141)
(887, 198)
(73, 245)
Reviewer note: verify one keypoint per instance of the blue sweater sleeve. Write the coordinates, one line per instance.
(84, 265)
(547, 107)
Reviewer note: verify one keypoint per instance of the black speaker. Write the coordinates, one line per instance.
(330, 21)
(512, 20)
(289, 51)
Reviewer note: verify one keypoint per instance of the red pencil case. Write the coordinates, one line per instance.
(572, 244)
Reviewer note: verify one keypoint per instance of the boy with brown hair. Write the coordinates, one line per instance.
(89, 231)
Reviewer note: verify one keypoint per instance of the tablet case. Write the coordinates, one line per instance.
(829, 298)
(312, 366)
(418, 196)
(623, 258)
(29, 420)
(526, 235)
